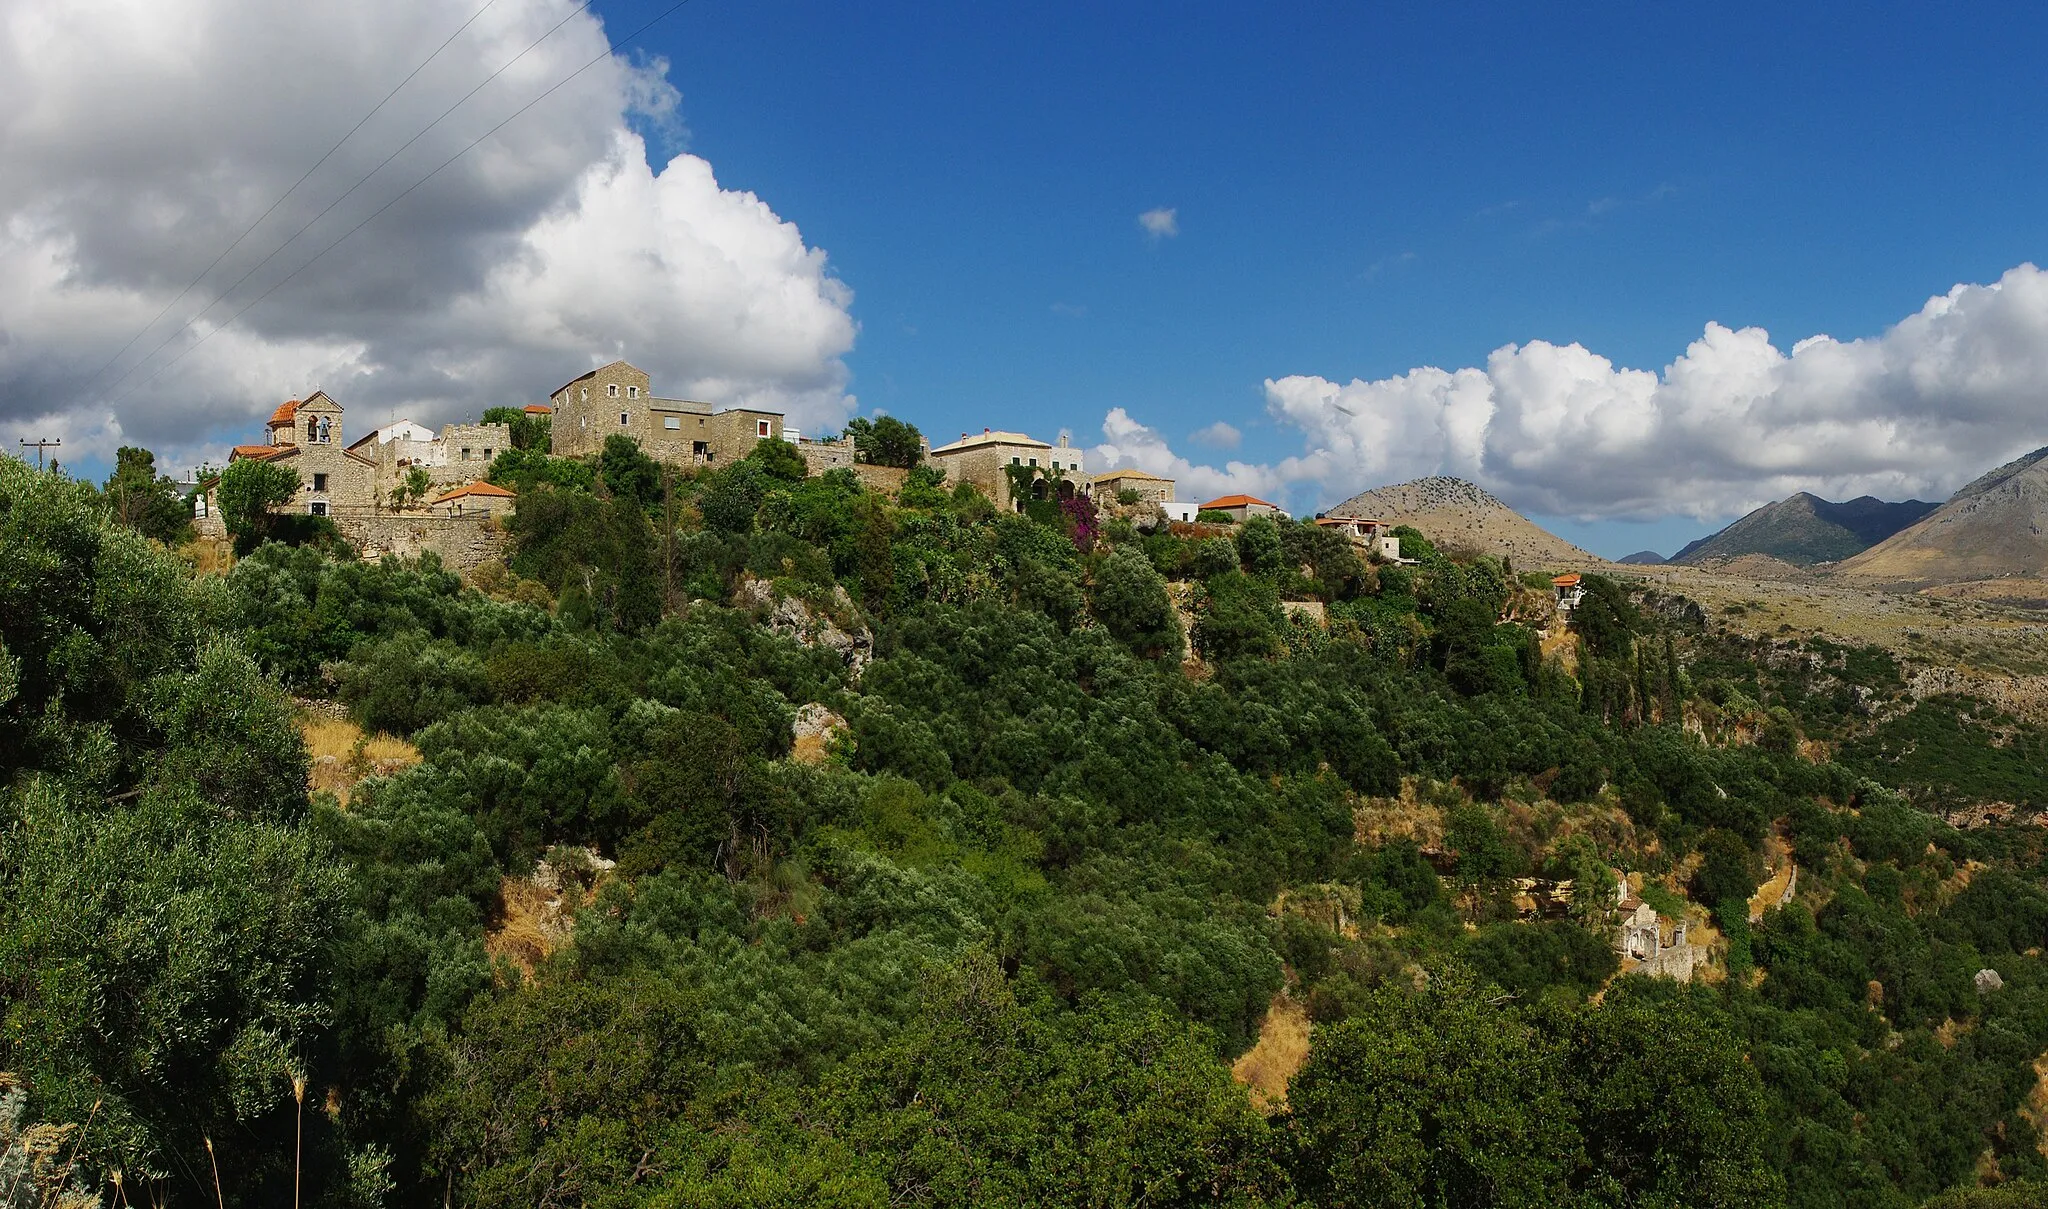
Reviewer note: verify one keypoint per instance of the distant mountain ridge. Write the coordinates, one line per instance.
(1805, 529)
(1994, 528)
(1461, 515)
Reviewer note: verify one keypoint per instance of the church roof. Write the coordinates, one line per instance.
(284, 413)
(263, 453)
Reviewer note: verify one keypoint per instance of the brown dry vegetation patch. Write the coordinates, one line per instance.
(207, 557)
(531, 925)
(2035, 1110)
(535, 916)
(1776, 889)
(343, 755)
(1266, 1068)
(1377, 821)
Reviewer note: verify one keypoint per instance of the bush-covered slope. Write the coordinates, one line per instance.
(1099, 797)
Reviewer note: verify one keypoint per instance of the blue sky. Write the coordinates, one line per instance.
(1634, 267)
(1359, 189)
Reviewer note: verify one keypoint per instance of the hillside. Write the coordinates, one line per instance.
(1463, 516)
(1805, 529)
(1991, 529)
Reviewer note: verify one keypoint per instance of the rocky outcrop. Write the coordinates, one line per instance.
(816, 727)
(837, 628)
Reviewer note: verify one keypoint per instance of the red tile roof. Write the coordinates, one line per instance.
(261, 453)
(539, 409)
(1565, 581)
(1237, 501)
(477, 488)
(284, 413)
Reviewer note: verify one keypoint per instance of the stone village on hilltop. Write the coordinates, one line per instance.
(367, 485)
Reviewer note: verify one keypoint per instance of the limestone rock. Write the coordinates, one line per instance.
(1988, 981)
(816, 727)
(796, 619)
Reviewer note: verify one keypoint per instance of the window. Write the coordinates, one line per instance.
(632, 392)
(671, 422)
(312, 428)
(1034, 461)
(612, 390)
(319, 482)
(1015, 462)
(317, 507)
(623, 421)
(764, 427)
(585, 392)
(699, 449)
(487, 453)
(326, 430)
(465, 453)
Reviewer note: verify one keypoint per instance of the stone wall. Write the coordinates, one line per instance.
(821, 456)
(881, 478)
(463, 542)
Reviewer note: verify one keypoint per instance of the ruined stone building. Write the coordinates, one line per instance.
(1149, 488)
(989, 461)
(619, 398)
(459, 453)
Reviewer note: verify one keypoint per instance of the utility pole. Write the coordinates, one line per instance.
(40, 446)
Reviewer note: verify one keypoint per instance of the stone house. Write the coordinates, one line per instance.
(1242, 508)
(476, 498)
(1150, 488)
(305, 434)
(1570, 590)
(619, 398)
(1375, 536)
(986, 461)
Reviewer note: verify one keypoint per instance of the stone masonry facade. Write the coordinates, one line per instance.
(619, 398)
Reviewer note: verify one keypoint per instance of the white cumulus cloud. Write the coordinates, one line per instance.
(1162, 223)
(142, 136)
(1219, 435)
(1733, 422)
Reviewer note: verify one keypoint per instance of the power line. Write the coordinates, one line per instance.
(360, 182)
(374, 111)
(558, 85)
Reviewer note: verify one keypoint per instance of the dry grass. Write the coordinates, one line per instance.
(206, 556)
(531, 925)
(1773, 892)
(1267, 1066)
(343, 755)
(535, 916)
(2035, 1110)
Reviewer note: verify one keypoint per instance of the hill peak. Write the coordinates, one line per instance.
(1461, 515)
(1804, 529)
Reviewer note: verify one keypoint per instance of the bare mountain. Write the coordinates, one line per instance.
(1463, 516)
(1643, 558)
(1806, 529)
(1991, 529)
